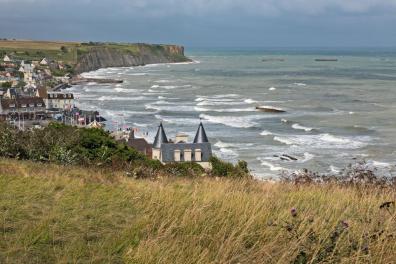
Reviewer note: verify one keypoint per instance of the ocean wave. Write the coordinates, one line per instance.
(170, 87)
(299, 84)
(271, 166)
(227, 110)
(272, 89)
(266, 133)
(216, 103)
(232, 121)
(307, 157)
(177, 120)
(138, 74)
(300, 127)
(215, 97)
(323, 141)
(250, 101)
(163, 81)
(170, 107)
(115, 98)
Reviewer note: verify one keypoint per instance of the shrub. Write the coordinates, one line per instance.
(226, 169)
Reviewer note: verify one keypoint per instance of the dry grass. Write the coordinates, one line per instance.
(35, 45)
(73, 215)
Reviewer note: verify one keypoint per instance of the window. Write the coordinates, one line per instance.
(198, 155)
(39, 104)
(177, 155)
(31, 105)
(12, 105)
(23, 105)
(187, 155)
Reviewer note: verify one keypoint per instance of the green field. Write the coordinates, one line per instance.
(57, 214)
(68, 52)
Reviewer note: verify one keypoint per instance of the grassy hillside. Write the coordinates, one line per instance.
(50, 213)
(68, 52)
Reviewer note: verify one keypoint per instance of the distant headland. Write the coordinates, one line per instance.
(88, 56)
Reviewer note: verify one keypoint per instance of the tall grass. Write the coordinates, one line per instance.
(50, 213)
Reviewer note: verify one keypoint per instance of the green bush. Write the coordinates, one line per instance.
(225, 169)
(67, 145)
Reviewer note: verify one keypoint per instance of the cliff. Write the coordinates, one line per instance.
(92, 57)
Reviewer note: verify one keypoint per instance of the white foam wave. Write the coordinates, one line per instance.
(115, 98)
(228, 110)
(271, 166)
(300, 127)
(138, 74)
(250, 101)
(299, 84)
(170, 87)
(307, 157)
(232, 121)
(272, 89)
(266, 133)
(323, 141)
(177, 120)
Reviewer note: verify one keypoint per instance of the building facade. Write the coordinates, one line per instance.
(199, 151)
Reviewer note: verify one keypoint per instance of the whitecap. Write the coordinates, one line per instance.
(227, 110)
(115, 98)
(300, 127)
(272, 89)
(307, 157)
(250, 101)
(271, 166)
(299, 84)
(323, 141)
(266, 133)
(231, 121)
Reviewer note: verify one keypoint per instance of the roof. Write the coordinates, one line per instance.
(160, 138)
(95, 124)
(168, 149)
(42, 92)
(27, 101)
(52, 95)
(140, 144)
(201, 137)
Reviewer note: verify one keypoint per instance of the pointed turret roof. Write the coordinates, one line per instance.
(160, 137)
(201, 137)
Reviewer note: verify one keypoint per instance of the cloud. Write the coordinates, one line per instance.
(202, 7)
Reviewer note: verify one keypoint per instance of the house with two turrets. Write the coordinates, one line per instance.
(180, 150)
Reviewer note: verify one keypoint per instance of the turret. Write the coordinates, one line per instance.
(201, 137)
(160, 138)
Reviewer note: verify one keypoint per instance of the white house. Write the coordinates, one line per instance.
(44, 62)
(56, 100)
(6, 58)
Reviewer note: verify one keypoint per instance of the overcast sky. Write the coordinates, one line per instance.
(205, 23)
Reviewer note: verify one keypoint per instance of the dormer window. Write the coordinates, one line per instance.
(23, 105)
(31, 105)
(39, 104)
(12, 105)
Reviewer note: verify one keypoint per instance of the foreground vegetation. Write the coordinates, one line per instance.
(90, 147)
(51, 213)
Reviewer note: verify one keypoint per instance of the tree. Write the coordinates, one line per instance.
(64, 49)
(6, 85)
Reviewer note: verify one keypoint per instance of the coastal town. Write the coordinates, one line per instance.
(33, 94)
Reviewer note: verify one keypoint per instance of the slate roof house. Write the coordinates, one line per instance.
(180, 150)
(22, 107)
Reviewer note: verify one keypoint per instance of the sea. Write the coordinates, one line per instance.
(337, 113)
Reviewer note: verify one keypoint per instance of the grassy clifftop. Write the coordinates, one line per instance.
(50, 213)
(76, 53)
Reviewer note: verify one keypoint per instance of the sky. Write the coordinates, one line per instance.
(205, 23)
